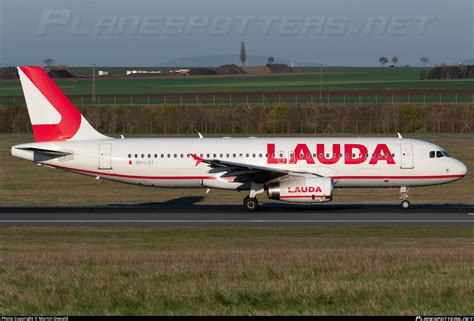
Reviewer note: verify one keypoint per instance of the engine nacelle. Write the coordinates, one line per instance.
(302, 190)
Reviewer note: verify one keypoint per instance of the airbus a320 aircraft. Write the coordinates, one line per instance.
(297, 170)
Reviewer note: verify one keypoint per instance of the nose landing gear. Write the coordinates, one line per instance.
(404, 197)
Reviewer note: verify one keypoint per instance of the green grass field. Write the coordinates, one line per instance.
(334, 79)
(236, 271)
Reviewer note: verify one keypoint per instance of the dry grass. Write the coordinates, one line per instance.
(236, 271)
(19, 181)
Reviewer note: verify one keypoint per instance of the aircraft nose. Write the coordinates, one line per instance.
(462, 168)
(458, 168)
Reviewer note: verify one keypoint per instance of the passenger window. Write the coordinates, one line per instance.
(136, 155)
(129, 155)
(182, 155)
(156, 155)
(149, 155)
(143, 155)
(439, 154)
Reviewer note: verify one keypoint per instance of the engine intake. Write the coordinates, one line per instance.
(301, 190)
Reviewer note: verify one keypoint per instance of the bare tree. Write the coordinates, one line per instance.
(383, 61)
(48, 62)
(395, 60)
(243, 55)
(424, 60)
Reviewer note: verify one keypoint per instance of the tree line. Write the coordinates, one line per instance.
(448, 72)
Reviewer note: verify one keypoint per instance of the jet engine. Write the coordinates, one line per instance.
(302, 190)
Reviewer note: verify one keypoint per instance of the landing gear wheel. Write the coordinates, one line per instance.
(250, 204)
(405, 204)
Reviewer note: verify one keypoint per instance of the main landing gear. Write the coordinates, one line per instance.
(403, 197)
(251, 202)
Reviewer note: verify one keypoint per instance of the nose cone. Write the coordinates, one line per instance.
(460, 168)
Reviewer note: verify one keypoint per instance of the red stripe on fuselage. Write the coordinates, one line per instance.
(215, 177)
(399, 177)
(132, 176)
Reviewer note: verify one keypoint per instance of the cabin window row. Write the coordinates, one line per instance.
(281, 155)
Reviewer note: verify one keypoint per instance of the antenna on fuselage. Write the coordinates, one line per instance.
(399, 135)
(200, 135)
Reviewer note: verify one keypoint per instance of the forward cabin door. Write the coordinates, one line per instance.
(105, 156)
(407, 156)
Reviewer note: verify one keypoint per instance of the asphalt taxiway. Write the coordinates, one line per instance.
(233, 215)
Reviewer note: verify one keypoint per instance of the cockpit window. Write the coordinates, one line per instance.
(439, 154)
(445, 153)
(432, 154)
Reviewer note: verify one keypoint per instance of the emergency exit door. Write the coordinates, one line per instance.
(407, 156)
(105, 156)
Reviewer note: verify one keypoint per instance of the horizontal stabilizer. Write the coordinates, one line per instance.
(49, 152)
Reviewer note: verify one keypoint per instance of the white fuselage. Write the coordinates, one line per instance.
(166, 162)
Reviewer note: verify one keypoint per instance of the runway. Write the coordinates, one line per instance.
(233, 215)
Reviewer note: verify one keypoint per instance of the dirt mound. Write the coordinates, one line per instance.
(202, 71)
(256, 70)
(8, 73)
(60, 71)
(280, 68)
(230, 70)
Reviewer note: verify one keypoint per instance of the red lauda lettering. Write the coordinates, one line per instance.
(271, 159)
(349, 149)
(383, 150)
(356, 154)
(300, 153)
(305, 189)
(336, 149)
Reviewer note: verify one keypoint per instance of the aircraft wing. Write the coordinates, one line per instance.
(246, 172)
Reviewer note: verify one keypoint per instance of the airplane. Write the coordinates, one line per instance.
(288, 169)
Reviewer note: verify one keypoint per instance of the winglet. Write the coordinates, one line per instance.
(399, 135)
(198, 159)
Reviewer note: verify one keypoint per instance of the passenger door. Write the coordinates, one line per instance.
(105, 156)
(406, 156)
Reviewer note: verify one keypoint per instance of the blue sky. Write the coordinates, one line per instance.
(147, 33)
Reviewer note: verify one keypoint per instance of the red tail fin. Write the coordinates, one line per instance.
(53, 116)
